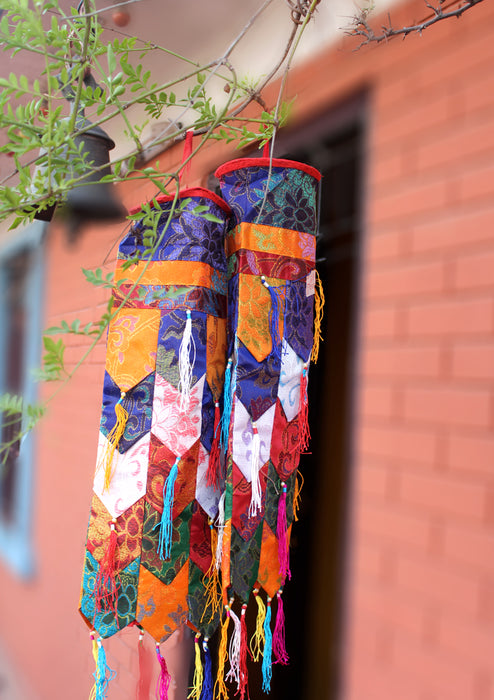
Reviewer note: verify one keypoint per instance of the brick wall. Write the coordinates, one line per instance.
(420, 581)
(421, 574)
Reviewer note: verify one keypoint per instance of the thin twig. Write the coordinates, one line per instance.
(361, 27)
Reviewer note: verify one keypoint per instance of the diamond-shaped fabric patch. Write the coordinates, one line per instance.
(160, 464)
(165, 570)
(128, 483)
(256, 382)
(131, 346)
(243, 434)
(138, 403)
(128, 529)
(176, 428)
(162, 609)
(207, 496)
(290, 375)
(105, 622)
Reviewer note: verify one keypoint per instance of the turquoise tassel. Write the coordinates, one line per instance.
(267, 669)
(227, 406)
(165, 525)
(103, 674)
(274, 316)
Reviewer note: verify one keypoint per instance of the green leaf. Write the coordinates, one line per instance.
(112, 61)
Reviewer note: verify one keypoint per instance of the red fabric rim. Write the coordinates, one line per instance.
(264, 162)
(190, 192)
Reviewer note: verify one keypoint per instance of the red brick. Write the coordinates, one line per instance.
(366, 562)
(380, 322)
(459, 227)
(472, 360)
(471, 453)
(397, 443)
(439, 674)
(444, 406)
(477, 182)
(451, 317)
(384, 246)
(404, 280)
(459, 143)
(402, 361)
(392, 523)
(372, 481)
(410, 199)
(473, 271)
(444, 495)
(376, 400)
(423, 107)
(470, 546)
(466, 640)
(429, 581)
(390, 607)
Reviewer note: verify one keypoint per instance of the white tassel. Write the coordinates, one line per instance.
(255, 503)
(186, 365)
(234, 651)
(220, 526)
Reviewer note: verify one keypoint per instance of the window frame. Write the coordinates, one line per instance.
(16, 543)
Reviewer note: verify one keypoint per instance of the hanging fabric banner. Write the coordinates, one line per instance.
(149, 544)
(272, 288)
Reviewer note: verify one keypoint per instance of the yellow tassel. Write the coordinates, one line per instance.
(299, 485)
(318, 314)
(92, 694)
(258, 638)
(211, 579)
(220, 689)
(113, 441)
(198, 679)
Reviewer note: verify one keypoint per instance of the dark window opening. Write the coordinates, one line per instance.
(315, 597)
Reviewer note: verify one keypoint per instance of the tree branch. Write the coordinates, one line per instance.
(361, 28)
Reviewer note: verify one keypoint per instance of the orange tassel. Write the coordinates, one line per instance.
(318, 314)
(296, 499)
(211, 579)
(220, 689)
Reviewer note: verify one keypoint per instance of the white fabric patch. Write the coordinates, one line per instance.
(289, 384)
(243, 435)
(207, 496)
(310, 285)
(128, 483)
(176, 429)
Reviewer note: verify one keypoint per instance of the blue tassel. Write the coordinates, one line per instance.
(227, 406)
(207, 685)
(267, 669)
(103, 674)
(274, 316)
(165, 525)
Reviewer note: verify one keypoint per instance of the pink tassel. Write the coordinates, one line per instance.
(105, 587)
(164, 678)
(281, 534)
(144, 682)
(303, 421)
(243, 685)
(279, 649)
(213, 471)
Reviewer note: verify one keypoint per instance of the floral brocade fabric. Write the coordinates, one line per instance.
(271, 261)
(176, 291)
